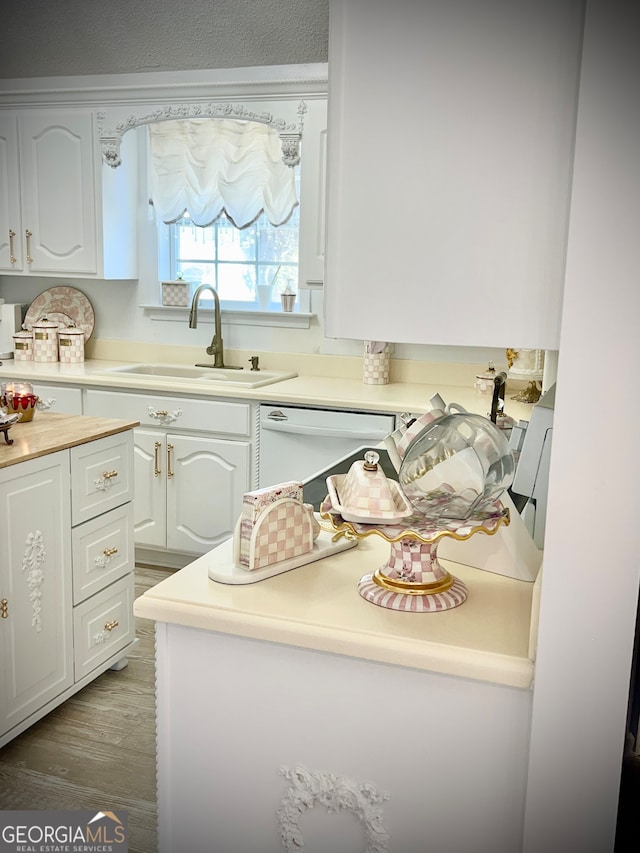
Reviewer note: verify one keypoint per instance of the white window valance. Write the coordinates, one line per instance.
(211, 167)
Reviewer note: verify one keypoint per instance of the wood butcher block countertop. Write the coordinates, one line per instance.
(49, 432)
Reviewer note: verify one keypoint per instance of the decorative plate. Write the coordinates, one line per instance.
(65, 306)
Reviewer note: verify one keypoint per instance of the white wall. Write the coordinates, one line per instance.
(591, 565)
(119, 316)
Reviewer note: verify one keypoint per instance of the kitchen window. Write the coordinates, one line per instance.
(249, 267)
(227, 207)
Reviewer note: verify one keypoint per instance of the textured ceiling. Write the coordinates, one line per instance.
(53, 38)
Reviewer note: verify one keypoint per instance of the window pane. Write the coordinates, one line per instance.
(236, 245)
(193, 242)
(197, 273)
(237, 282)
(235, 261)
(279, 244)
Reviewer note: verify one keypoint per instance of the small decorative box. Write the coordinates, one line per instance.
(175, 293)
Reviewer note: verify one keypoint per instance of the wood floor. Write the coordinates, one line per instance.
(97, 750)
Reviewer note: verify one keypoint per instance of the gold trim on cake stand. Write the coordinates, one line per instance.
(412, 579)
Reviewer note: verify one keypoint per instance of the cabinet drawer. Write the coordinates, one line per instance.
(101, 476)
(57, 398)
(103, 551)
(102, 625)
(176, 412)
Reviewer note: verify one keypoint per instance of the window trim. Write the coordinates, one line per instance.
(173, 313)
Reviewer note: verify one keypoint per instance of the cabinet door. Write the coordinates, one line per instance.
(449, 169)
(11, 258)
(36, 633)
(150, 477)
(206, 481)
(58, 185)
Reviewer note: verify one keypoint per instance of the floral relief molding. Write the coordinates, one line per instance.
(309, 788)
(32, 563)
(290, 132)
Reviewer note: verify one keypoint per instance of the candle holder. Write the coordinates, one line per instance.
(19, 398)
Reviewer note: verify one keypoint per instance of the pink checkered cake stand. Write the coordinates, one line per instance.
(413, 580)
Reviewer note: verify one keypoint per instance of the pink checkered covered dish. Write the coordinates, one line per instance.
(376, 508)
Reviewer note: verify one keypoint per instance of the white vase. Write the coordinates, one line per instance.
(264, 292)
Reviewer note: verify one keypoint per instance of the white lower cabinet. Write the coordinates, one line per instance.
(189, 485)
(296, 749)
(36, 629)
(66, 575)
(189, 489)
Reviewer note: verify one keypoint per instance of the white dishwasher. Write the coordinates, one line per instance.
(297, 442)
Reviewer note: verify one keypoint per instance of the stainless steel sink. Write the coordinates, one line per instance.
(214, 375)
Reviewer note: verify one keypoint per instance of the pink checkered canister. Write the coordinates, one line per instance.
(71, 345)
(23, 346)
(375, 367)
(45, 341)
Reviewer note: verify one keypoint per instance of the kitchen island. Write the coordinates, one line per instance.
(66, 576)
(292, 711)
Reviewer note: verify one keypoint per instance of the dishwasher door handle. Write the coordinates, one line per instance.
(324, 432)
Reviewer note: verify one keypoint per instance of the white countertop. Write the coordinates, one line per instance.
(318, 607)
(305, 389)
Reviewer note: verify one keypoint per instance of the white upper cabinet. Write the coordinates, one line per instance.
(451, 130)
(62, 211)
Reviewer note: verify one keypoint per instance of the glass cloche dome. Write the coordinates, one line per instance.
(456, 467)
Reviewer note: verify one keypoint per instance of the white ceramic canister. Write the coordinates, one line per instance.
(71, 345)
(45, 341)
(23, 346)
